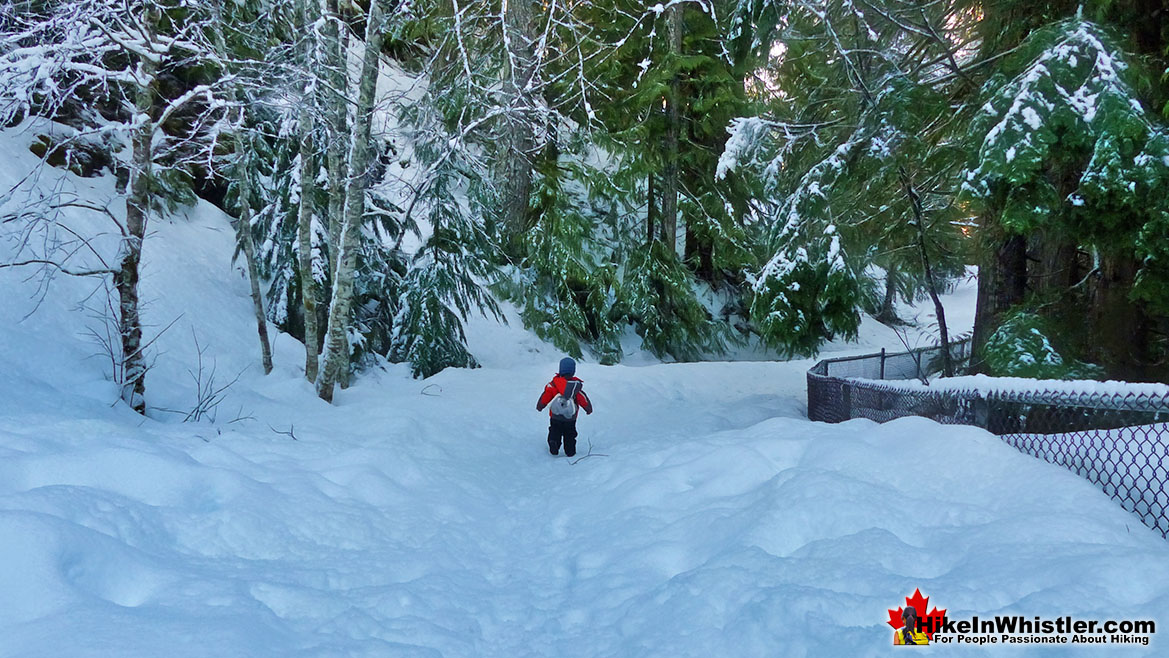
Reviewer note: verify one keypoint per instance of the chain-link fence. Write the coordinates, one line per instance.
(1118, 438)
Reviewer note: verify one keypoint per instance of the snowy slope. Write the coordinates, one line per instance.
(427, 519)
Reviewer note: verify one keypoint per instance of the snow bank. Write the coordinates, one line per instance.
(719, 523)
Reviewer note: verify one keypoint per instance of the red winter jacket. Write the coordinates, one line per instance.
(556, 387)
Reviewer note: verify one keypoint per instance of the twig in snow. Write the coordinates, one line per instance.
(208, 394)
(239, 416)
(291, 431)
(587, 455)
(433, 395)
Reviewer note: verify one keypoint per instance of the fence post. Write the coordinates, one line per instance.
(882, 363)
(981, 408)
(846, 400)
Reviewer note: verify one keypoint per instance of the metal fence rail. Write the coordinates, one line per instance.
(1117, 440)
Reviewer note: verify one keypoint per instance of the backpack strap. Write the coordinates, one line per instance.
(571, 388)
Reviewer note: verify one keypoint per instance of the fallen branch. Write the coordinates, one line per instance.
(239, 416)
(587, 455)
(291, 431)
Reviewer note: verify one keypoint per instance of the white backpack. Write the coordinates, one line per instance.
(564, 405)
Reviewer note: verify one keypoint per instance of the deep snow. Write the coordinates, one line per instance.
(425, 518)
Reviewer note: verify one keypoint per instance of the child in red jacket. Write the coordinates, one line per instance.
(566, 395)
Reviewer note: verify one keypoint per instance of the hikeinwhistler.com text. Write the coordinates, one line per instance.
(1017, 629)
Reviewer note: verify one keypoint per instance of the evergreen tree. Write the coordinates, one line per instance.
(1067, 148)
(855, 164)
(567, 287)
(442, 286)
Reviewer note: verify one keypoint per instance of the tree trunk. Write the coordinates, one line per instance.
(1118, 329)
(336, 100)
(1002, 280)
(1055, 266)
(699, 254)
(931, 283)
(309, 293)
(515, 170)
(650, 210)
(137, 205)
(246, 245)
(336, 353)
(669, 193)
(244, 223)
(308, 281)
(888, 313)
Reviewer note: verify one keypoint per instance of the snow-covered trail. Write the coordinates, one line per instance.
(720, 523)
(396, 511)
(515, 549)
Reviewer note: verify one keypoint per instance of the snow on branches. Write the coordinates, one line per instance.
(1071, 111)
(1074, 93)
(101, 63)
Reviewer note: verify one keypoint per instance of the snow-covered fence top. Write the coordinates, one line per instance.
(1115, 434)
(830, 380)
(1106, 393)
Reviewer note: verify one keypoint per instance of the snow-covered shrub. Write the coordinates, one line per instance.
(1021, 348)
(428, 331)
(443, 283)
(658, 295)
(801, 300)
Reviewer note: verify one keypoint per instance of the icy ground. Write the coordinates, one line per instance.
(427, 519)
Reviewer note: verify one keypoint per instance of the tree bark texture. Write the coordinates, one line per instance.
(137, 206)
(515, 168)
(1002, 281)
(1054, 266)
(1118, 327)
(336, 353)
(669, 192)
(335, 98)
(309, 293)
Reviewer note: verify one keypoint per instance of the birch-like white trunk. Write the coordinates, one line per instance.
(335, 60)
(336, 353)
(336, 98)
(137, 206)
(309, 293)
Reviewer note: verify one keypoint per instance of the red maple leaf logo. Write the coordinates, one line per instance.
(919, 604)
